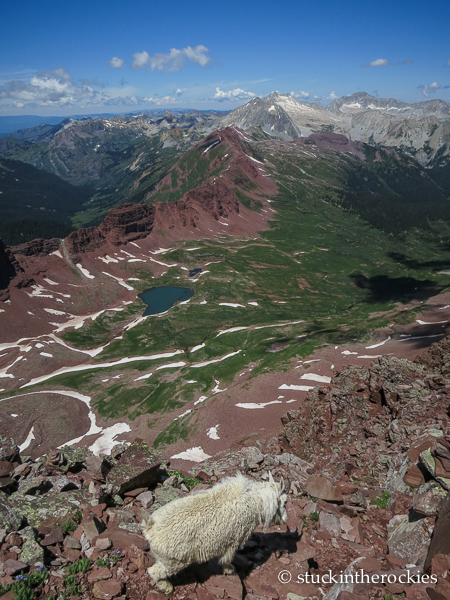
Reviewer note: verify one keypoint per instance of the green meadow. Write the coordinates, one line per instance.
(319, 262)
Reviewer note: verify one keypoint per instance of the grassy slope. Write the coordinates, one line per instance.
(332, 270)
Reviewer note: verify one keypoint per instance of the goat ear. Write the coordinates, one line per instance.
(281, 485)
(271, 480)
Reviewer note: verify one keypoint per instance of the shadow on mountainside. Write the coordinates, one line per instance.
(415, 264)
(382, 288)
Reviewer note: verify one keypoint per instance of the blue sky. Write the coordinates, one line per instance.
(87, 57)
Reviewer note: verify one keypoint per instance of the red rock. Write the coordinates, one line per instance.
(107, 589)
(231, 584)
(304, 552)
(440, 542)
(71, 554)
(11, 273)
(98, 510)
(98, 574)
(14, 540)
(103, 543)
(369, 564)
(6, 468)
(440, 564)
(394, 561)
(137, 467)
(440, 592)
(55, 537)
(322, 535)
(154, 595)
(346, 488)
(441, 470)
(134, 493)
(320, 487)
(401, 504)
(349, 596)
(122, 539)
(14, 567)
(420, 446)
(92, 528)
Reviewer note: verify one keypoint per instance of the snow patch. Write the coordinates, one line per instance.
(27, 442)
(84, 271)
(213, 433)
(314, 377)
(195, 454)
(299, 388)
(256, 405)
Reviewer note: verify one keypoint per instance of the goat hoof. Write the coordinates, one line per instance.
(165, 586)
(229, 570)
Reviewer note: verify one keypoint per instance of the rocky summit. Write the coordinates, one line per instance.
(368, 461)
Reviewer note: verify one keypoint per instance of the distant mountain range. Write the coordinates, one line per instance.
(421, 129)
(127, 158)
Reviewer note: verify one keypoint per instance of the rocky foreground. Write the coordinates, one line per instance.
(368, 458)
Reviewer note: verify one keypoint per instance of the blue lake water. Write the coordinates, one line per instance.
(160, 299)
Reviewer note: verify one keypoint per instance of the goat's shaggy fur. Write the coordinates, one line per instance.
(211, 524)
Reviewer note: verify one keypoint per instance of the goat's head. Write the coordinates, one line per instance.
(281, 516)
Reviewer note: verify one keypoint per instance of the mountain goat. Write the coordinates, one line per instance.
(211, 524)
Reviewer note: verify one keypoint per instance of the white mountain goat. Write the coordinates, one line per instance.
(211, 524)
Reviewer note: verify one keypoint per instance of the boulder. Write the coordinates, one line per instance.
(440, 544)
(146, 499)
(9, 519)
(428, 499)
(320, 487)
(330, 524)
(8, 449)
(56, 536)
(14, 567)
(430, 463)
(413, 477)
(410, 541)
(98, 467)
(137, 467)
(48, 510)
(32, 552)
(105, 590)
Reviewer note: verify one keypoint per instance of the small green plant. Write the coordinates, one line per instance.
(72, 525)
(382, 501)
(304, 523)
(314, 516)
(102, 562)
(313, 499)
(24, 586)
(80, 566)
(189, 482)
(114, 557)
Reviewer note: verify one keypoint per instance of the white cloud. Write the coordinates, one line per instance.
(332, 96)
(233, 95)
(173, 60)
(57, 89)
(158, 101)
(300, 94)
(46, 88)
(115, 62)
(179, 91)
(379, 62)
(429, 88)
